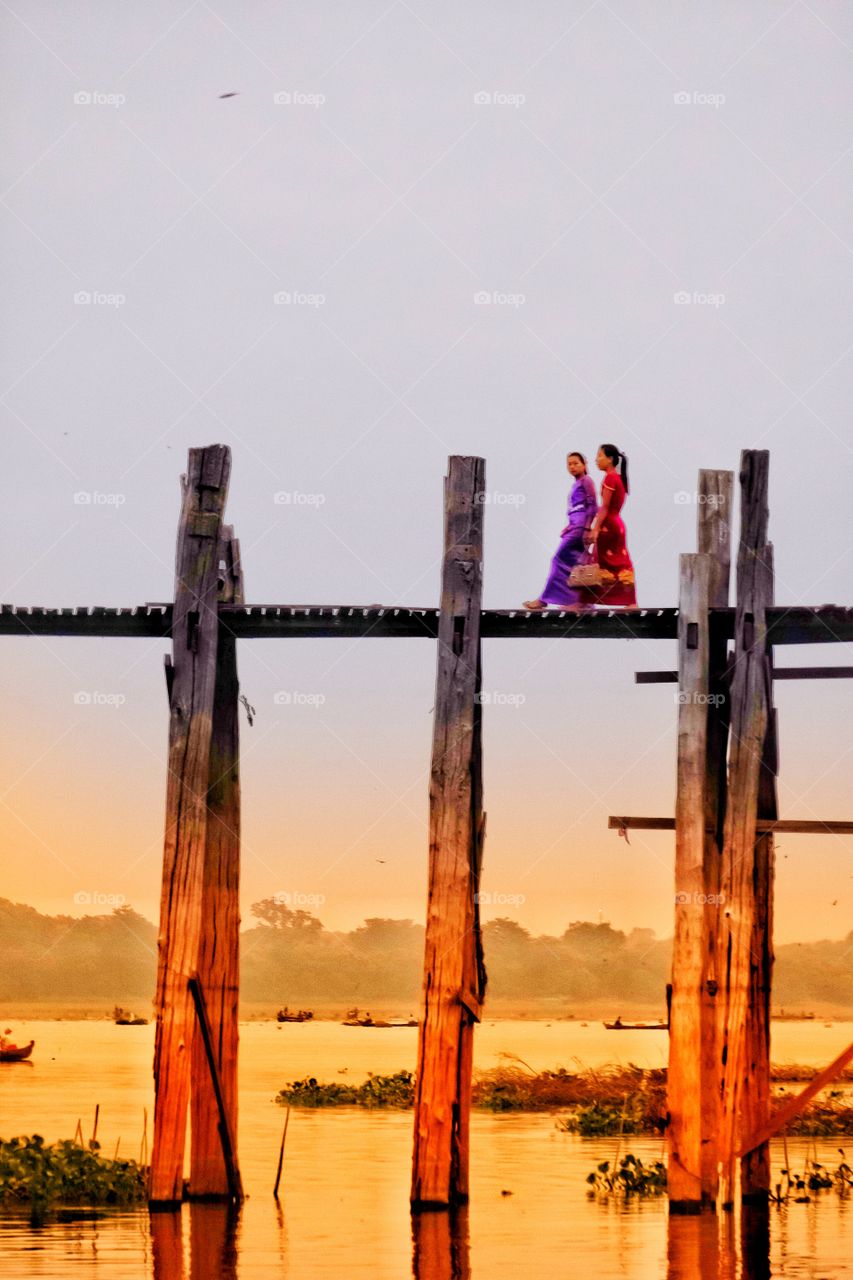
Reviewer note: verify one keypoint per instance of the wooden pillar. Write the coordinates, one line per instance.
(755, 1165)
(691, 1081)
(218, 962)
(454, 974)
(192, 679)
(684, 1077)
(714, 539)
(738, 883)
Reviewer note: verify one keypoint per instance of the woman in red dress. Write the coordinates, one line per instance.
(608, 534)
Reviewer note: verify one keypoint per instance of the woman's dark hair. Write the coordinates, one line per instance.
(619, 460)
(574, 454)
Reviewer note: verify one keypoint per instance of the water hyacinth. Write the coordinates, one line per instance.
(36, 1175)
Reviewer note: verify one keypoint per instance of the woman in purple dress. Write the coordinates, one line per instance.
(575, 537)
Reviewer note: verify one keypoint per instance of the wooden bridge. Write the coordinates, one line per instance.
(725, 818)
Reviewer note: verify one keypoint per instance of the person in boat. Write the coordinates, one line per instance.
(618, 1022)
(607, 535)
(573, 539)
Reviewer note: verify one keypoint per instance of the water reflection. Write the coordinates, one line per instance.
(213, 1243)
(725, 1247)
(441, 1245)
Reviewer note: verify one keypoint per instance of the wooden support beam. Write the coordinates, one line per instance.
(782, 826)
(755, 1165)
(218, 962)
(739, 884)
(794, 1106)
(779, 673)
(684, 1077)
(453, 959)
(195, 636)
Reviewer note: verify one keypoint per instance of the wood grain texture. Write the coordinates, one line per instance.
(684, 1077)
(750, 700)
(454, 973)
(195, 635)
(218, 963)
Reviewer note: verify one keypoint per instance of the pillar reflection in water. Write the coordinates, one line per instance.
(212, 1239)
(440, 1245)
(731, 1246)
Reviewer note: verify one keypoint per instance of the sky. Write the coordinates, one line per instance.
(415, 230)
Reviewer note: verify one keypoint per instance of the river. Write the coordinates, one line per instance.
(344, 1199)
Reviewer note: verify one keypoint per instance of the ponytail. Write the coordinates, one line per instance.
(619, 460)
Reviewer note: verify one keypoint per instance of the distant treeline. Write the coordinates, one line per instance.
(288, 956)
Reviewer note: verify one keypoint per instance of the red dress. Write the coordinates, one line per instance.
(617, 571)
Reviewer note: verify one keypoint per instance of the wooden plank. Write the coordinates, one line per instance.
(453, 965)
(749, 719)
(218, 964)
(195, 634)
(684, 1132)
(825, 624)
(794, 1106)
(782, 826)
(227, 1135)
(779, 673)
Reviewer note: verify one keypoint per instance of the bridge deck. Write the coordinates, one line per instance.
(788, 625)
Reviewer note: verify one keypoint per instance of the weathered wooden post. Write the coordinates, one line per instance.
(454, 974)
(218, 962)
(684, 1078)
(755, 1165)
(191, 678)
(739, 884)
(704, 581)
(716, 489)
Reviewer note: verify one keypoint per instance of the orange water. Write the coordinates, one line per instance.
(344, 1202)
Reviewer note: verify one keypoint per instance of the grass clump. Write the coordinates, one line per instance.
(38, 1176)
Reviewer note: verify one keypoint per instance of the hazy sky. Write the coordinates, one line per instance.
(586, 167)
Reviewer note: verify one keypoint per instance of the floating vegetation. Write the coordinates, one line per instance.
(629, 1178)
(815, 1177)
(37, 1176)
(397, 1090)
(595, 1102)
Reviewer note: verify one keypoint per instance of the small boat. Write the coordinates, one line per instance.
(782, 1016)
(124, 1018)
(354, 1020)
(286, 1015)
(11, 1052)
(619, 1025)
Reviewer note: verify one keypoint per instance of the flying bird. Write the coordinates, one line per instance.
(235, 94)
